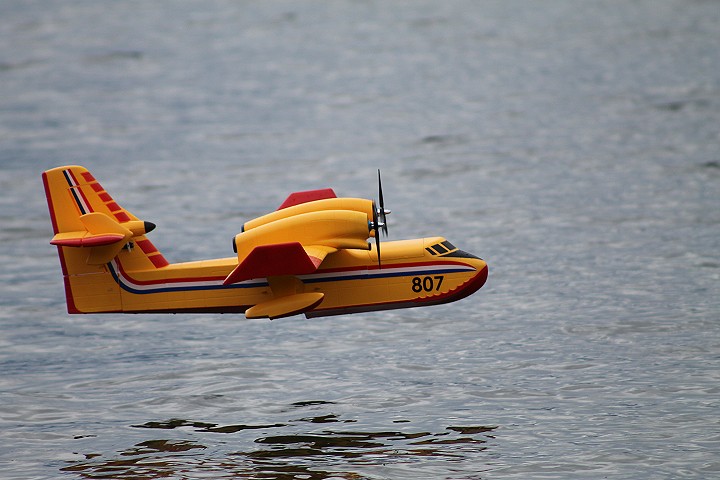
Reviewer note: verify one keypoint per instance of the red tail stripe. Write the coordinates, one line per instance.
(158, 260)
(69, 299)
(147, 246)
(73, 178)
(151, 251)
(122, 217)
(85, 199)
(50, 204)
(88, 177)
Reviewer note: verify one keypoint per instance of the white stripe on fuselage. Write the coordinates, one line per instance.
(363, 274)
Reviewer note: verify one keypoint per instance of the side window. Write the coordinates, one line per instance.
(441, 248)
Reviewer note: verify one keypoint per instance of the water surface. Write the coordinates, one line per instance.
(574, 148)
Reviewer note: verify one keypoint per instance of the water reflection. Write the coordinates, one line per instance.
(203, 426)
(281, 452)
(157, 446)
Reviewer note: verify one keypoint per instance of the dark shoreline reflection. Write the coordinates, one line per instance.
(331, 453)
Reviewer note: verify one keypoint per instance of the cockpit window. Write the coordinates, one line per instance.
(448, 245)
(441, 248)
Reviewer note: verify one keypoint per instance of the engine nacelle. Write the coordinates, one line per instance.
(351, 204)
(330, 228)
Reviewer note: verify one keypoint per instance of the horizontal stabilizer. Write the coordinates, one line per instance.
(277, 260)
(100, 230)
(103, 236)
(285, 306)
(85, 239)
(308, 196)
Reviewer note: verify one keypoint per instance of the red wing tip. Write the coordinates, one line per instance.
(298, 198)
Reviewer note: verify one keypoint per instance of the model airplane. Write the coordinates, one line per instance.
(310, 256)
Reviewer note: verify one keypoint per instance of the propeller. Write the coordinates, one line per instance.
(375, 226)
(379, 218)
(382, 211)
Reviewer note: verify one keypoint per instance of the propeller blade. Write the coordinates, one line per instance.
(377, 247)
(377, 233)
(382, 212)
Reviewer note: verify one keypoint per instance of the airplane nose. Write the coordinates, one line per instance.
(480, 278)
(483, 274)
(481, 267)
(476, 282)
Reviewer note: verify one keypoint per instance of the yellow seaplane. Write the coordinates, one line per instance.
(311, 256)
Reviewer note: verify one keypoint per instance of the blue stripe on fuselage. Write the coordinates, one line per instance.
(366, 275)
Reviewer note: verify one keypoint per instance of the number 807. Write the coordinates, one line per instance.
(427, 284)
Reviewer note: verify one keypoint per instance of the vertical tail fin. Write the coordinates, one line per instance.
(91, 230)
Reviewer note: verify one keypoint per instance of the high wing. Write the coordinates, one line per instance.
(282, 247)
(280, 263)
(279, 259)
(297, 245)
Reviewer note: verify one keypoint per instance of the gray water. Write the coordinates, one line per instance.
(573, 145)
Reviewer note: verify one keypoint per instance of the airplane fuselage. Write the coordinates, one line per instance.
(412, 273)
(310, 256)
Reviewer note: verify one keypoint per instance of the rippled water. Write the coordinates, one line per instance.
(574, 147)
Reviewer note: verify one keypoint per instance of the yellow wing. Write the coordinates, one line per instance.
(297, 245)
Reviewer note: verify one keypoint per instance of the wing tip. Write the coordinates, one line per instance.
(297, 198)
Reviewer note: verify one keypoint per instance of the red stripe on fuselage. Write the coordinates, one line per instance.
(160, 281)
(135, 281)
